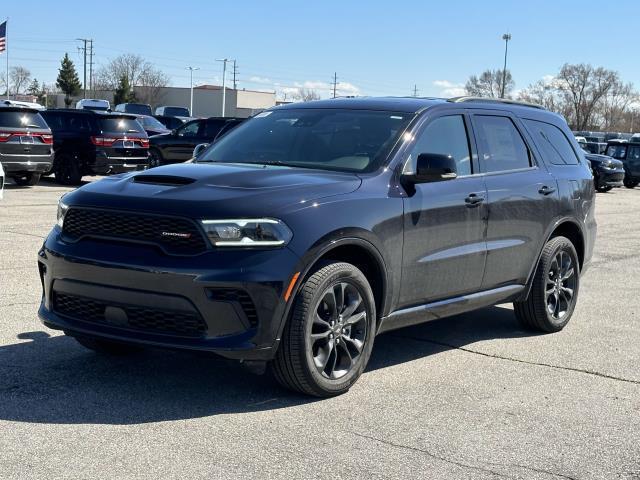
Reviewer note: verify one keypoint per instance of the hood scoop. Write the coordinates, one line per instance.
(168, 180)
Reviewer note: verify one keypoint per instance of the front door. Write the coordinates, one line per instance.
(444, 222)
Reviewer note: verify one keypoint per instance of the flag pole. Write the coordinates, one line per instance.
(6, 50)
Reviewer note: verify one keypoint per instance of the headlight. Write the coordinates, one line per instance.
(259, 232)
(607, 164)
(62, 211)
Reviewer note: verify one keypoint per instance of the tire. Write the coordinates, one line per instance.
(67, 170)
(155, 158)
(28, 179)
(298, 362)
(630, 183)
(106, 347)
(604, 189)
(548, 307)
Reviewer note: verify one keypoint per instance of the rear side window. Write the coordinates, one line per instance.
(17, 119)
(501, 145)
(176, 111)
(55, 121)
(554, 144)
(446, 136)
(212, 127)
(617, 151)
(634, 153)
(78, 123)
(120, 125)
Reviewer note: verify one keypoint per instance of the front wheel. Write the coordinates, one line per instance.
(327, 341)
(603, 188)
(554, 291)
(27, 179)
(68, 170)
(629, 183)
(155, 158)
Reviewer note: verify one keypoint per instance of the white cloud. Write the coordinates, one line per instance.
(263, 80)
(324, 89)
(449, 89)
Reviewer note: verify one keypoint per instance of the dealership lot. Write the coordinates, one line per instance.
(472, 396)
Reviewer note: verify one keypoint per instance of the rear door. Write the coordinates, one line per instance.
(444, 222)
(522, 197)
(633, 160)
(178, 147)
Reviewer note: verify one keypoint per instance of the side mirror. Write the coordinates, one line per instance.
(201, 147)
(433, 167)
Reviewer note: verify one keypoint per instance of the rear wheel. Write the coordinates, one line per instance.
(629, 183)
(106, 347)
(155, 158)
(67, 170)
(554, 291)
(327, 341)
(29, 179)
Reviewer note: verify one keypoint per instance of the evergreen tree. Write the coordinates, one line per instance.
(123, 93)
(68, 80)
(34, 88)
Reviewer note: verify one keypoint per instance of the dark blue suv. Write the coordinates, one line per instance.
(311, 228)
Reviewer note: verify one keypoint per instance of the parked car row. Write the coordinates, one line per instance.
(92, 140)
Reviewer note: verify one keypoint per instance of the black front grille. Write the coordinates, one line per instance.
(239, 296)
(178, 236)
(188, 324)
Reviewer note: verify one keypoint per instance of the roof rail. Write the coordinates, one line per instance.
(495, 100)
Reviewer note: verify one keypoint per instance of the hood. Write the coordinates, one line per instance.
(214, 190)
(597, 159)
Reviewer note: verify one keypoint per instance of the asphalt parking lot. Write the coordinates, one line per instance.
(472, 396)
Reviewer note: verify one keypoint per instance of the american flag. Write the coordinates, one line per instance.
(3, 36)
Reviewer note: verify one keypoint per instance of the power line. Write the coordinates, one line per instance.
(84, 65)
(335, 83)
(235, 75)
(415, 90)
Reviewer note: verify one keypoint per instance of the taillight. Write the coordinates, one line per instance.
(103, 141)
(47, 138)
(144, 142)
(4, 136)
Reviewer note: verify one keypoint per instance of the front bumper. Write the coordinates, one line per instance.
(138, 294)
(610, 178)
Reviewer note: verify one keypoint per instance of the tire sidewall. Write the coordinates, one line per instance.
(356, 278)
(565, 245)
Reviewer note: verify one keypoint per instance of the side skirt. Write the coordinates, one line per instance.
(446, 308)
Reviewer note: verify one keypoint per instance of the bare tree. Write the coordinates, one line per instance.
(583, 88)
(305, 95)
(615, 105)
(489, 84)
(19, 78)
(543, 93)
(139, 73)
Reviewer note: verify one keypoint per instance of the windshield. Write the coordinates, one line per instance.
(121, 125)
(150, 122)
(176, 111)
(327, 139)
(617, 151)
(137, 108)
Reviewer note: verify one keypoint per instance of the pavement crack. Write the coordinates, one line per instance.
(518, 360)
(25, 234)
(432, 455)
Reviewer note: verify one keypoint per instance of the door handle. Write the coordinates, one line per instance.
(473, 200)
(546, 190)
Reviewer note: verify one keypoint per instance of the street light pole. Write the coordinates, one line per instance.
(506, 37)
(224, 88)
(191, 69)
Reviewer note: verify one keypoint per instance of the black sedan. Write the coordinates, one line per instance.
(151, 125)
(607, 172)
(177, 146)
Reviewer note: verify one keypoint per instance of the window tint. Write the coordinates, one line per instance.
(445, 136)
(502, 147)
(176, 111)
(189, 129)
(120, 124)
(212, 127)
(617, 151)
(78, 123)
(634, 153)
(15, 119)
(54, 121)
(554, 144)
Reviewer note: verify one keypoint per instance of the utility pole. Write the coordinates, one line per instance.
(224, 88)
(84, 65)
(91, 66)
(235, 76)
(506, 37)
(335, 83)
(415, 90)
(191, 69)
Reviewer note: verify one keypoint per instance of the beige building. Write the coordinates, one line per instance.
(207, 100)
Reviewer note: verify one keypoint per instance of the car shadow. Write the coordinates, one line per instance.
(44, 182)
(45, 379)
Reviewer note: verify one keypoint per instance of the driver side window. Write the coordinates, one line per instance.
(445, 136)
(190, 129)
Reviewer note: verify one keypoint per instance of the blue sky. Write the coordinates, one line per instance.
(376, 47)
